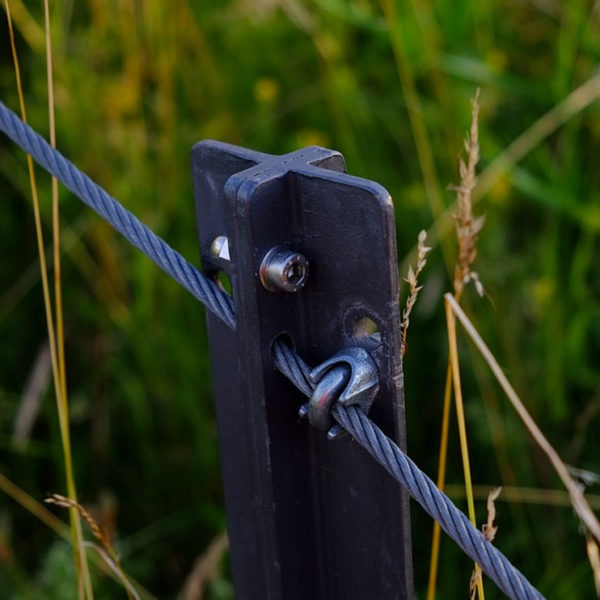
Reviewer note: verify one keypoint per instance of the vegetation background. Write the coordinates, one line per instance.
(388, 84)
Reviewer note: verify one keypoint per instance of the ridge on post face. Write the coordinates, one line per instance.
(307, 518)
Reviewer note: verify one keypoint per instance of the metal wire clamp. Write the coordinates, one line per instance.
(350, 378)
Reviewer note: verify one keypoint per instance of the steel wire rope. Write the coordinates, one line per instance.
(455, 523)
(498, 568)
(138, 234)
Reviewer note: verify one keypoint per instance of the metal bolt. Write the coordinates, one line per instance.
(282, 269)
(219, 250)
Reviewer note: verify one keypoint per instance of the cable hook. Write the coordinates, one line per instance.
(350, 378)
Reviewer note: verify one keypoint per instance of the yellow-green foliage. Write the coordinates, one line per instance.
(388, 84)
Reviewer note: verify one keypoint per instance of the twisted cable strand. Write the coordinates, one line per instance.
(293, 367)
(138, 234)
(472, 541)
(509, 579)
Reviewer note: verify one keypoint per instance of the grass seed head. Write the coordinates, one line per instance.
(97, 530)
(467, 225)
(412, 278)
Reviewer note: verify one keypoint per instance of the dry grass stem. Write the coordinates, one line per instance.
(84, 581)
(441, 482)
(462, 426)
(415, 113)
(594, 557)
(205, 569)
(467, 226)
(412, 278)
(60, 337)
(33, 506)
(523, 495)
(475, 582)
(115, 567)
(57, 525)
(579, 99)
(489, 531)
(28, 27)
(573, 104)
(97, 530)
(578, 500)
(32, 397)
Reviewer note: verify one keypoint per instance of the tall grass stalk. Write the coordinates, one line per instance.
(460, 417)
(60, 335)
(522, 495)
(578, 500)
(205, 569)
(130, 70)
(578, 100)
(84, 581)
(83, 575)
(33, 506)
(594, 557)
(27, 26)
(58, 526)
(415, 115)
(467, 228)
(441, 483)
(107, 552)
(573, 104)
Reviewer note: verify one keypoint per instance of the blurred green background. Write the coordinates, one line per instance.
(137, 84)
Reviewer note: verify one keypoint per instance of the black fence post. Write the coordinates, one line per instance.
(307, 518)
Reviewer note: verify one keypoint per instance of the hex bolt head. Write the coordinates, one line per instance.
(283, 270)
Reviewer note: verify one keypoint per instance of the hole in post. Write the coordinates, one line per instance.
(286, 338)
(223, 281)
(364, 327)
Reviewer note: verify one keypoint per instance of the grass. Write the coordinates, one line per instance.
(467, 230)
(135, 85)
(578, 501)
(55, 338)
